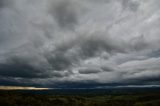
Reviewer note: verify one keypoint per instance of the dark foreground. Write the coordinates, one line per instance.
(100, 97)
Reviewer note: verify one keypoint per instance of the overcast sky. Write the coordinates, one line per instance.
(79, 43)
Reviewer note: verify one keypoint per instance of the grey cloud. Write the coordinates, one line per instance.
(50, 41)
(131, 5)
(4, 3)
(81, 48)
(141, 70)
(59, 61)
(94, 44)
(62, 74)
(155, 53)
(64, 12)
(89, 70)
(146, 75)
(107, 68)
(139, 43)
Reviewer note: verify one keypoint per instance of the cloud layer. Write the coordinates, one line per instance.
(88, 42)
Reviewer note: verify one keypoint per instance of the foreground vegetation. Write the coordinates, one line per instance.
(10, 98)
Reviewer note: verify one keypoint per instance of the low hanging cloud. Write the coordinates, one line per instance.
(63, 42)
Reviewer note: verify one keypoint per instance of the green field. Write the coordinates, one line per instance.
(11, 98)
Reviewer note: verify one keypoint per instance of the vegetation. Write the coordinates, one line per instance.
(12, 98)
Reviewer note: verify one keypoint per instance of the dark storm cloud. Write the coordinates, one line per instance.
(8, 81)
(13, 81)
(83, 48)
(59, 61)
(56, 42)
(17, 67)
(26, 62)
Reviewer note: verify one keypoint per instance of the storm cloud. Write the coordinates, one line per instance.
(49, 43)
(65, 13)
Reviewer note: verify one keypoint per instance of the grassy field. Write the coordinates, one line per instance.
(13, 98)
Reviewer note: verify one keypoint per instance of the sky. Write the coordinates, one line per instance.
(79, 43)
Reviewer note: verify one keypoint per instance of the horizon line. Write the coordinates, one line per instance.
(98, 87)
(22, 88)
